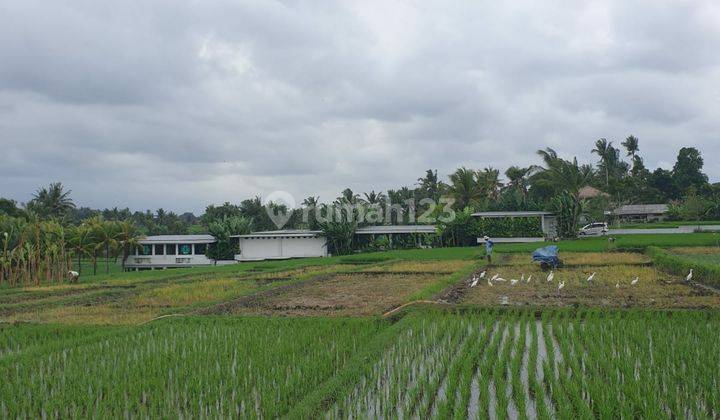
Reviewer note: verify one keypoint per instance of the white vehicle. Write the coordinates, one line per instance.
(594, 229)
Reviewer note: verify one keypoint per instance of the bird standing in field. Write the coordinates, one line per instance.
(489, 283)
(529, 278)
(550, 276)
(474, 282)
(513, 282)
(522, 277)
(617, 285)
(689, 276)
(592, 276)
(482, 274)
(561, 285)
(500, 279)
(635, 281)
(73, 275)
(495, 276)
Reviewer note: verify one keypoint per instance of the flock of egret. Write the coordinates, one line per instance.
(496, 278)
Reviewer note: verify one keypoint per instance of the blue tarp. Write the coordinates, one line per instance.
(548, 254)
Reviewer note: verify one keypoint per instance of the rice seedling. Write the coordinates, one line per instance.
(209, 367)
(592, 364)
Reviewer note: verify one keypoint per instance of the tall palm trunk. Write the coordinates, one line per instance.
(107, 258)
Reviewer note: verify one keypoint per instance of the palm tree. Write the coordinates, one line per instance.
(604, 149)
(81, 243)
(561, 174)
(464, 187)
(518, 178)
(52, 201)
(348, 197)
(107, 239)
(489, 182)
(632, 145)
(374, 198)
(430, 186)
(128, 238)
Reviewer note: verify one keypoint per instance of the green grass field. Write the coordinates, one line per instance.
(428, 364)
(307, 338)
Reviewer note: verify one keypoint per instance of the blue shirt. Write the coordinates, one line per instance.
(488, 246)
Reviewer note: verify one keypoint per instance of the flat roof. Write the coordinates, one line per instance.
(293, 233)
(641, 209)
(499, 214)
(385, 229)
(178, 239)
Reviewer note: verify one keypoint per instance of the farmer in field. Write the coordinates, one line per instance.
(488, 248)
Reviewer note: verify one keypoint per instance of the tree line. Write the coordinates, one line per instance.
(554, 184)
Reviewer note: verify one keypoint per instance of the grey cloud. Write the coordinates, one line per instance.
(178, 105)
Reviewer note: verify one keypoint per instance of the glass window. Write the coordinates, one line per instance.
(200, 249)
(159, 249)
(145, 249)
(184, 249)
(170, 249)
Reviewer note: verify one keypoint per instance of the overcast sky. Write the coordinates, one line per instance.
(178, 105)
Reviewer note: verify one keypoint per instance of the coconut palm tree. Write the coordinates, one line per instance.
(106, 234)
(374, 198)
(605, 150)
(519, 178)
(81, 242)
(464, 187)
(53, 201)
(632, 146)
(489, 182)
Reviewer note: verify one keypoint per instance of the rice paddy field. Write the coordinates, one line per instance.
(385, 335)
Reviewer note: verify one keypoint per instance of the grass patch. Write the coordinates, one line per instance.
(679, 264)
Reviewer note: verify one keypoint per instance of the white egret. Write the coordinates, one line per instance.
(617, 285)
(561, 285)
(592, 276)
(489, 283)
(635, 281)
(513, 282)
(495, 276)
(550, 276)
(482, 274)
(689, 276)
(500, 279)
(529, 278)
(522, 277)
(475, 282)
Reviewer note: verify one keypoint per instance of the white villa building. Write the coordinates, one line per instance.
(170, 251)
(281, 244)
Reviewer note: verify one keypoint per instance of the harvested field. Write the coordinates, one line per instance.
(655, 289)
(132, 303)
(412, 267)
(341, 294)
(581, 258)
(702, 254)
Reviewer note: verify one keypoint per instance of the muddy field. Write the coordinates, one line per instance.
(351, 294)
